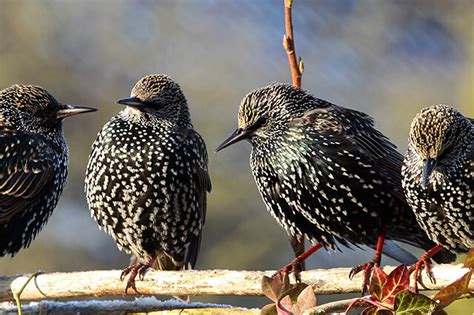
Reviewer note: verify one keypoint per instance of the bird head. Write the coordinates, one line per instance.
(157, 95)
(32, 106)
(265, 113)
(434, 131)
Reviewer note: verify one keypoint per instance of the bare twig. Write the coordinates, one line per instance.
(17, 294)
(297, 243)
(289, 45)
(213, 282)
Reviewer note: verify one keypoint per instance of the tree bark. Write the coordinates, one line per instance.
(211, 282)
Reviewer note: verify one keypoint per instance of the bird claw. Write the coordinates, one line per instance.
(294, 267)
(355, 270)
(134, 270)
(431, 276)
(367, 268)
(422, 263)
(296, 270)
(127, 270)
(142, 271)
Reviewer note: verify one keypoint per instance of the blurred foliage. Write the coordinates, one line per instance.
(387, 58)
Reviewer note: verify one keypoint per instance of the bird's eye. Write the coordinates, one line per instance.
(261, 121)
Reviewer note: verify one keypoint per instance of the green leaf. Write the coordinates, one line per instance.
(378, 280)
(469, 261)
(410, 303)
(269, 309)
(453, 291)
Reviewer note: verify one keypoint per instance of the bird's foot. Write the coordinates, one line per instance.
(298, 246)
(132, 270)
(367, 269)
(139, 269)
(417, 268)
(296, 265)
(425, 262)
(142, 272)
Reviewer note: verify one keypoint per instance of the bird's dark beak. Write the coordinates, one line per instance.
(131, 101)
(428, 167)
(236, 136)
(71, 110)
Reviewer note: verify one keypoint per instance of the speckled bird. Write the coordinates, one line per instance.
(33, 162)
(324, 171)
(147, 178)
(438, 176)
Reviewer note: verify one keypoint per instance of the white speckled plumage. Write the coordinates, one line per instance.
(33, 162)
(324, 171)
(444, 206)
(147, 179)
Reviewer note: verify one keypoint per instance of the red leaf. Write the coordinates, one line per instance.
(377, 282)
(469, 261)
(286, 306)
(299, 298)
(274, 288)
(269, 288)
(453, 291)
(411, 303)
(307, 298)
(294, 290)
(374, 310)
(398, 280)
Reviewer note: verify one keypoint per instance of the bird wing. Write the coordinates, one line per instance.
(354, 129)
(27, 167)
(339, 148)
(470, 152)
(197, 154)
(470, 156)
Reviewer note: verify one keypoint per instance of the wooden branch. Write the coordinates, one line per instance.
(330, 308)
(150, 305)
(289, 45)
(212, 282)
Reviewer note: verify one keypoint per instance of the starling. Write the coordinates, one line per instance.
(324, 171)
(438, 177)
(147, 179)
(34, 158)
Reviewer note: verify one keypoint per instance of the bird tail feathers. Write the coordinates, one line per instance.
(393, 250)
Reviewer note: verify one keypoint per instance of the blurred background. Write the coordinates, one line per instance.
(386, 58)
